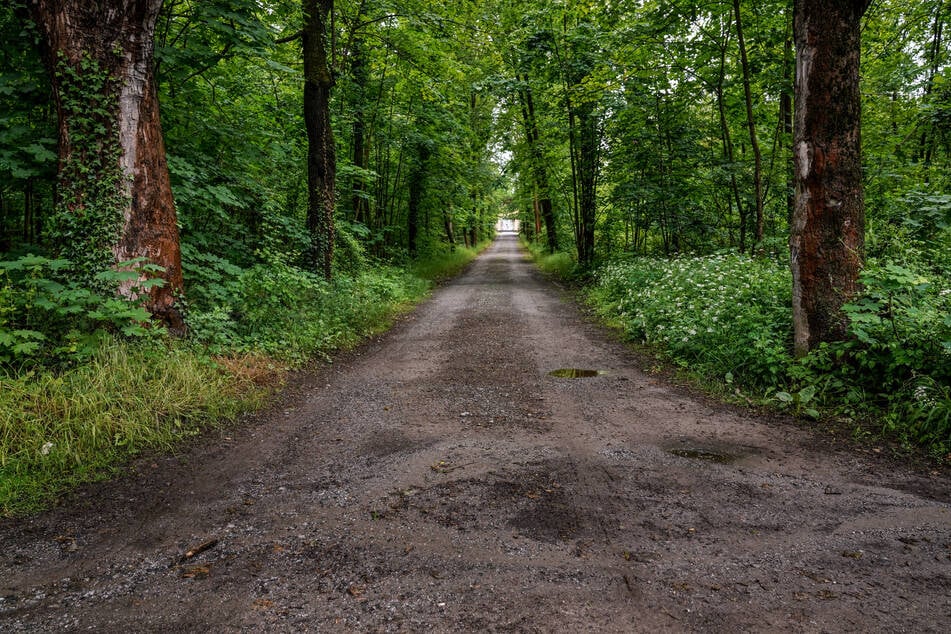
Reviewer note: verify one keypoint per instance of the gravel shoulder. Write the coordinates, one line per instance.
(439, 479)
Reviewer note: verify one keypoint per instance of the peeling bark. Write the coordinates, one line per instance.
(827, 232)
(118, 37)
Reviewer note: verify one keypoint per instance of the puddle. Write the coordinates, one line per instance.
(575, 373)
(703, 454)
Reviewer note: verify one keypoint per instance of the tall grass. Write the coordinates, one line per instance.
(60, 429)
(558, 264)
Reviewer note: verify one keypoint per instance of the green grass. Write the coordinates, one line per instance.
(60, 429)
(446, 263)
(559, 264)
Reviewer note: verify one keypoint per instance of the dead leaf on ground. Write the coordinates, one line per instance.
(262, 604)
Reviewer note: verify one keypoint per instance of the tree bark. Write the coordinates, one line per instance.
(361, 153)
(417, 181)
(827, 233)
(540, 173)
(751, 125)
(727, 142)
(321, 153)
(109, 46)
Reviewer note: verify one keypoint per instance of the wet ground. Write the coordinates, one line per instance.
(441, 479)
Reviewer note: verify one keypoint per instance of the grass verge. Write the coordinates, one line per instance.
(62, 427)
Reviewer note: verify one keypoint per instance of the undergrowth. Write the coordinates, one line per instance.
(726, 317)
(73, 413)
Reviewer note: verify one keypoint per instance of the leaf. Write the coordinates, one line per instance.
(806, 394)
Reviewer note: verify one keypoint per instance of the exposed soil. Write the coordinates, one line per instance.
(440, 479)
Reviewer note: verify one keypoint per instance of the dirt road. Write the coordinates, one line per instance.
(439, 479)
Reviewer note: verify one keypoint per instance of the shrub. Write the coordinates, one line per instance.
(729, 316)
(48, 317)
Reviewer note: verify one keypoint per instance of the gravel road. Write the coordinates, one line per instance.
(439, 479)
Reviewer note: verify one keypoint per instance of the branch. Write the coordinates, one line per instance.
(290, 38)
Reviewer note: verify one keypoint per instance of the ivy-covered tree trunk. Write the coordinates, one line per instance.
(114, 195)
(827, 233)
(321, 154)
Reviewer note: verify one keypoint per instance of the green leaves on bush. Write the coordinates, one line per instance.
(285, 311)
(47, 317)
(728, 315)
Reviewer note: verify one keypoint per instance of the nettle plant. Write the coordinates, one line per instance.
(48, 317)
(902, 323)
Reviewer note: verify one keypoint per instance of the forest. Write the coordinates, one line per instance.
(304, 171)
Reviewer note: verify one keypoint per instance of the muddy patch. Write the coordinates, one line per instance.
(704, 454)
(575, 373)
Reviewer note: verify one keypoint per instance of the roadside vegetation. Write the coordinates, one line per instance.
(85, 387)
(724, 319)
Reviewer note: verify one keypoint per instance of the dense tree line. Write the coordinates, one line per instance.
(320, 134)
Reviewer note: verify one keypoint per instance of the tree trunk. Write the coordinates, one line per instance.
(114, 195)
(827, 233)
(786, 121)
(588, 159)
(447, 225)
(360, 154)
(321, 153)
(540, 173)
(727, 141)
(417, 179)
(751, 124)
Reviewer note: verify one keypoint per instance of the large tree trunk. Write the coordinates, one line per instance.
(827, 233)
(114, 195)
(321, 153)
(543, 206)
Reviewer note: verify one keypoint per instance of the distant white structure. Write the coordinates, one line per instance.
(507, 225)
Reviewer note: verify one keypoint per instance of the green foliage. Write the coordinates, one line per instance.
(727, 316)
(47, 317)
(286, 312)
(27, 131)
(718, 315)
(90, 192)
(560, 264)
